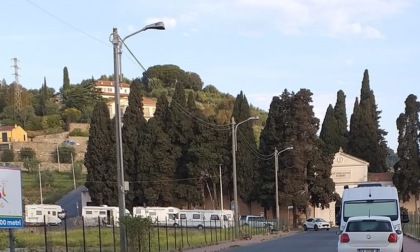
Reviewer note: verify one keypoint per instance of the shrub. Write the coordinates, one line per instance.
(78, 170)
(27, 153)
(31, 164)
(79, 132)
(8, 155)
(64, 154)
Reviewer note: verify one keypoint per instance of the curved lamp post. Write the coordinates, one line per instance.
(276, 163)
(118, 42)
(235, 182)
(63, 216)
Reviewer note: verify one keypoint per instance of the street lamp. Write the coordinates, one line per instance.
(276, 163)
(118, 42)
(235, 182)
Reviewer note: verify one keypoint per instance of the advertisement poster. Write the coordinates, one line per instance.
(10, 198)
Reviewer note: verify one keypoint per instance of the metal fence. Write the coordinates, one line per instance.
(74, 235)
(413, 227)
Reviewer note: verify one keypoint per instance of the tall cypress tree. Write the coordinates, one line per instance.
(100, 161)
(66, 79)
(369, 144)
(245, 158)
(133, 137)
(407, 170)
(341, 118)
(329, 131)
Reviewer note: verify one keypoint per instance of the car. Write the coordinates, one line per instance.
(70, 142)
(316, 224)
(368, 234)
(256, 221)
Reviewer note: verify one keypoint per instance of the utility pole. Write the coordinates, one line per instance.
(235, 182)
(276, 171)
(221, 191)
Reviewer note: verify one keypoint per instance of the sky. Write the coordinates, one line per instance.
(260, 47)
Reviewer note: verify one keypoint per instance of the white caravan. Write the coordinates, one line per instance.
(38, 214)
(369, 201)
(162, 216)
(102, 215)
(200, 218)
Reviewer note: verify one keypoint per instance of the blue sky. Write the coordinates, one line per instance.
(260, 47)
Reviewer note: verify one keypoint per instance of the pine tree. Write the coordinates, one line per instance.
(43, 97)
(341, 118)
(407, 170)
(245, 158)
(367, 140)
(329, 132)
(100, 158)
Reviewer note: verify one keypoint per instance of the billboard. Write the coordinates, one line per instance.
(10, 198)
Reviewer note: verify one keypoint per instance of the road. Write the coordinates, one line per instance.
(314, 241)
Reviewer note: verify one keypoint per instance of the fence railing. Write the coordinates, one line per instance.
(413, 226)
(77, 234)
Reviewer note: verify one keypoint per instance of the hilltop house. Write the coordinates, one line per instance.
(107, 90)
(10, 134)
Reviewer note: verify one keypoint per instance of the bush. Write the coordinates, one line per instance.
(31, 164)
(79, 132)
(8, 155)
(27, 153)
(78, 170)
(64, 154)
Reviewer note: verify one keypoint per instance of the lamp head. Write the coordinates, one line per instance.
(155, 26)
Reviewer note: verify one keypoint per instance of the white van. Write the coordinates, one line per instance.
(102, 215)
(200, 218)
(372, 201)
(162, 216)
(36, 214)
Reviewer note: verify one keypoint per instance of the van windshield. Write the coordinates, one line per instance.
(387, 208)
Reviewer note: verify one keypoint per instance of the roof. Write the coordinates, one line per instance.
(149, 101)
(107, 83)
(378, 177)
(355, 218)
(342, 153)
(6, 128)
(365, 193)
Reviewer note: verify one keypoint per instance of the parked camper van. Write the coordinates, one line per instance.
(101, 215)
(38, 214)
(370, 201)
(205, 218)
(162, 216)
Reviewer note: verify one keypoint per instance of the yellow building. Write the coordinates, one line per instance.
(10, 134)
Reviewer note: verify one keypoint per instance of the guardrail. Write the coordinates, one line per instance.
(413, 227)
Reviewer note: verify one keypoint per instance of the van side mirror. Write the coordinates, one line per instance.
(404, 217)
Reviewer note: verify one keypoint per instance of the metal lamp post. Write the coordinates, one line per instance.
(276, 163)
(235, 182)
(118, 42)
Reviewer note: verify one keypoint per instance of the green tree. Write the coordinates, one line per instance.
(329, 132)
(71, 115)
(407, 170)
(245, 159)
(366, 139)
(66, 79)
(100, 158)
(340, 115)
(134, 126)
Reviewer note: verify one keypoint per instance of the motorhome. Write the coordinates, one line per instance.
(370, 201)
(40, 214)
(200, 218)
(102, 215)
(162, 216)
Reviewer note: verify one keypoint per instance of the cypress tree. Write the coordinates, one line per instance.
(330, 132)
(245, 158)
(407, 170)
(100, 161)
(66, 79)
(341, 118)
(133, 129)
(369, 144)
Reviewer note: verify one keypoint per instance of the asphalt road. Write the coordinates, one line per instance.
(314, 241)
